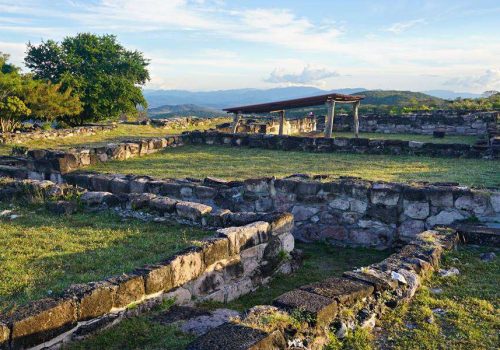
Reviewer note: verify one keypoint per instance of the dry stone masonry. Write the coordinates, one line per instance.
(271, 126)
(21, 137)
(238, 258)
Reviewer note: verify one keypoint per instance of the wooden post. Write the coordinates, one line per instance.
(356, 118)
(329, 120)
(236, 120)
(282, 122)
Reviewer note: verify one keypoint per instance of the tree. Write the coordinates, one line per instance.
(105, 76)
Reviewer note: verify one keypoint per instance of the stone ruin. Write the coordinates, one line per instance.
(253, 223)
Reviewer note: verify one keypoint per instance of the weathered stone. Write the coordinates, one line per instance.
(441, 198)
(244, 236)
(236, 290)
(358, 206)
(337, 233)
(346, 291)
(238, 337)
(138, 184)
(181, 296)
(207, 283)
(215, 249)
(385, 214)
(187, 266)
(495, 201)
(380, 280)
(340, 204)
(204, 192)
(409, 228)
(321, 309)
(302, 212)
(384, 194)
(306, 188)
(416, 210)
(444, 217)
(4, 336)
(98, 198)
(264, 204)
(94, 299)
(119, 185)
(163, 204)
(192, 211)
(62, 207)
(366, 237)
(279, 222)
(40, 321)
(130, 289)
(157, 278)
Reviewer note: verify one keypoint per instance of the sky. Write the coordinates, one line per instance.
(226, 44)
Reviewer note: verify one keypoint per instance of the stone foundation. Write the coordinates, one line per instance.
(271, 126)
(54, 134)
(236, 260)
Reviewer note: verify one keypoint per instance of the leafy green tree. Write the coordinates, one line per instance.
(105, 76)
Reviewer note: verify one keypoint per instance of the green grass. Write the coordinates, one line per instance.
(404, 137)
(470, 304)
(320, 262)
(240, 163)
(42, 254)
(121, 133)
(137, 333)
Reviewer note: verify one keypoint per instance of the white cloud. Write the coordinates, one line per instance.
(309, 75)
(489, 80)
(400, 27)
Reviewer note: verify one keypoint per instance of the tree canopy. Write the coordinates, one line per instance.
(101, 72)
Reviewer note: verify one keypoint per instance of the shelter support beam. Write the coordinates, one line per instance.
(282, 122)
(356, 118)
(329, 118)
(236, 121)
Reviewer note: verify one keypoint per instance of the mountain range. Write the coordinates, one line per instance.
(237, 97)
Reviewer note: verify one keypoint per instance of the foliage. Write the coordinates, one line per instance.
(98, 69)
(22, 97)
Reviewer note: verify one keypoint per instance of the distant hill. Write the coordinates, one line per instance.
(228, 98)
(451, 95)
(184, 110)
(397, 98)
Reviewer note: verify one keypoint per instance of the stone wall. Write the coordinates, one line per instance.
(341, 144)
(184, 122)
(54, 134)
(343, 211)
(453, 123)
(336, 305)
(243, 253)
(271, 126)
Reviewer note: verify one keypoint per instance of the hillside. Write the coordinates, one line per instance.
(184, 110)
(397, 98)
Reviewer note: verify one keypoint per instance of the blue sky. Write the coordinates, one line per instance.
(221, 44)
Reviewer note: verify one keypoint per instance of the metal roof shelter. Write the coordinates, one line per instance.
(280, 106)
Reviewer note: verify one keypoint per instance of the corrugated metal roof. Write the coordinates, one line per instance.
(295, 103)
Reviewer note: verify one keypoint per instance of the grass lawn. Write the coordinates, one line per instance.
(42, 253)
(404, 137)
(320, 262)
(466, 313)
(240, 163)
(122, 132)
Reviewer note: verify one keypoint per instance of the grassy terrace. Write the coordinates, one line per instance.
(405, 137)
(121, 133)
(240, 163)
(42, 253)
(465, 315)
(320, 261)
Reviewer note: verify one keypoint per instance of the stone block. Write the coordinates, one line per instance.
(334, 232)
(236, 290)
(139, 184)
(444, 217)
(346, 291)
(214, 250)
(495, 201)
(358, 206)
(41, 321)
(339, 204)
(416, 210)
(192, 211)
(157, 278)
(257, 186)
(163, 204)
(476, 203)
(93, 299)
(187, 265)
(98, 198)
(238, 337)
(303, 212)
(101, 183)
(207, 283)
(382, 213)
(242, 237)
(385, 194)
(279, 222)
(130, 289)
(409, 228)
(140, 200)
(379, 280)
(441, 197)
(119, 185)
(307, 188)
(4, 336)
(320, 309)
(205, 192)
